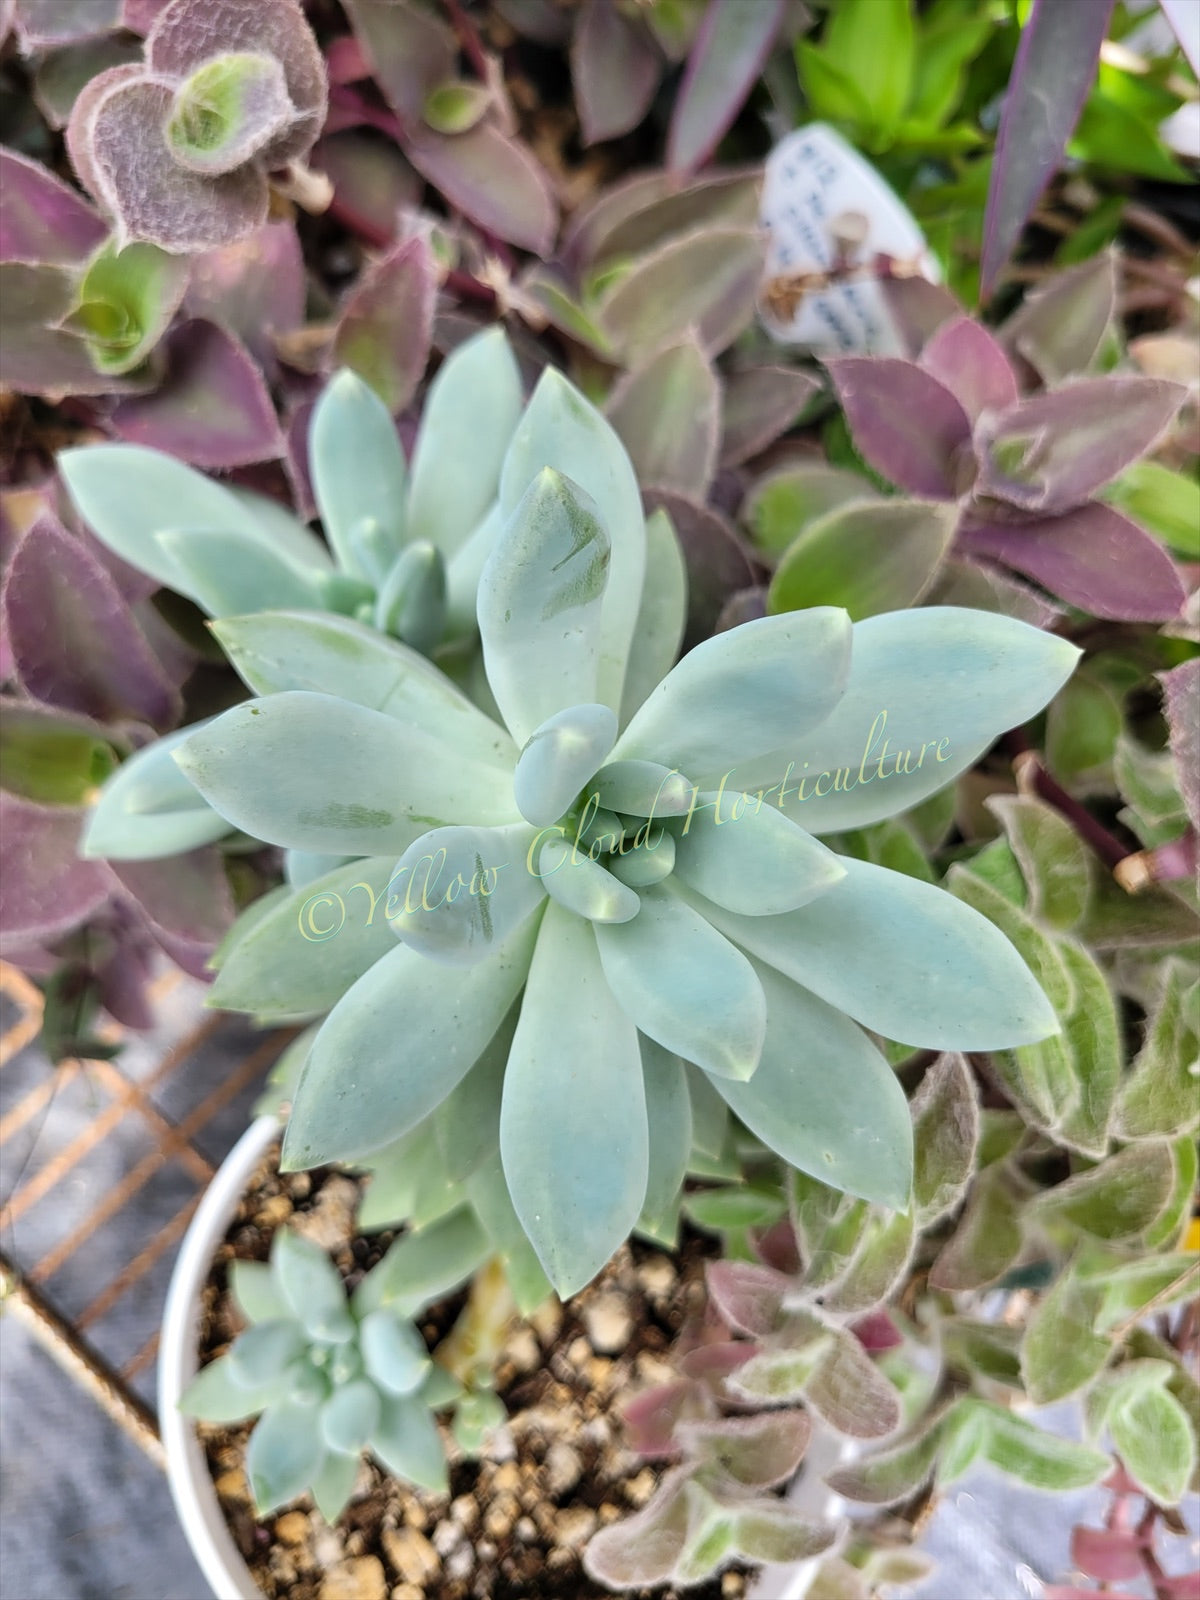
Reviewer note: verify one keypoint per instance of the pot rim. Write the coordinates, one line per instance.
(204, 1523)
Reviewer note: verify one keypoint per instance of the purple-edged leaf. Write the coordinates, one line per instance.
(668, 414)
(62, 75)
(37, 356)
(651, 1418)
(45, 890)
(493, 180)
(228, 112)
(1059, 328)
(1186, 26)
(868, 556)
(905, 424)
(615, 69)
(1106, 1554)
(74, 640)
(79, 126)
(410, 51)
(372, 181)
(125, 302)
(649, 208)
(717, 560)
(386, 328)
(965, 357)
(139, 16)
(1182, 685)
(918, 309)
(1053, 72)
(185, 37)
(724, 62)
(760, 403)
(707, 280)
(185, 898)
(253, 289)
(644, 1548)
(749, 1297)
(711, 1364)
(1093, 557)
(212, 409)
(1053, 451)
(41, 219)
(42, 24)
(758, 1451)
(980, 586)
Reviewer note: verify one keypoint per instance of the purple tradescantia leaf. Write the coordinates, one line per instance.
(711, 1364)
(74, 640)
(372, 183)
(651, 1419)
(904, 423)
(1182, 686)
(1092, 557)
(185, 898)
(965, 357)
(615, 69)
(42, 24)
(1053, 72)
(254, 288)
(1054, 450)
(41, 219)
(707, 280)
(139, 16)
(45, 890)
(37, 356)
(410, 51)
(758, 1451)
(493, 180)
(750, 1298)
(1059, 328)
(760, 403)
(669, 415)
(62, 75)
(727, 55)
(647, 209)
(296, 460)
(212, 409)
(78, 132)
(918, 309)
(386, 329)
(717, 560)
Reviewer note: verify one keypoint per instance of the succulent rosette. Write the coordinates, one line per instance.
(614, 887)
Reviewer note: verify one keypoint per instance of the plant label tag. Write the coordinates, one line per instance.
(835, 228)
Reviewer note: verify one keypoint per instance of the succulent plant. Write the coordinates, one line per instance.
(640, 934)
(328, 1377)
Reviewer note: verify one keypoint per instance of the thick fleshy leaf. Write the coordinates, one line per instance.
(74, 639)
(1051, 452)
(834, 1108)
(734, 697)
(561, 430)
(228, 574)
(669, 1122)
(266, 1350)
(284, 1453)
(905, 959)
(358, 471)
(971, 363)
(658, 631)
(408, 1443)
(41, 219)
(583, 886)
(1053, 72)
(559, 758)
(315, 773)
(573, 1132)
(492, 179)
(254, 1288)
(393, 1350)
(46, 890)
(424, 1266)
(213, 1396)
(457, 894)
(868, 556)
(931, 730)
(761, 865)
(149, 809)
(615, 70)
(282, 650)
(707, 280)
(413, 1029)
(1059, 328)
(467, 1122)
(332, 1486)
(350, 1415)
(311, 1284)
(729, 52)
(685, 986)
(1093, 557)
(669, 415)
(386, 327)
(540, 604)
(411, 603)
(716, 559)
(905, 423)
(467, 423)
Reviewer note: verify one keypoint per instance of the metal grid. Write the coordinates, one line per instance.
(95, 1153)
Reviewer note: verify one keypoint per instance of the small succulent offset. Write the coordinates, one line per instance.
(179, 149)
(585, 909)
(328, 1378)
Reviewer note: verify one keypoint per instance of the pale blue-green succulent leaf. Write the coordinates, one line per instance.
(227, 573)
(333, 655)
(333, 1484)
(467, 1123)
(743, 693)
(561, 429)
(488, 1193)
(393, 1351)
(283, 531)
(284, 1453)
(752, 860)
(685, 985)
(559, 758)
(311, 1285)
(256, 1292)
(411, 604)
(646, 788)
(825, 1099)
(573, 1135)
(350, 1416)
(148, 809)
(314, 943)
(669, 1120)
(584, 887)
(424, 1265)
(395, 1046)
(935, 686)
(315, 773)
(539, 603)
(458, 893)
(464, 569)
(470, 412)
(264, 1351)
(662, 614)
(710, 1114)
(905, 959)
(357, 467)
(215, 1396)
(649, 862)
(301, 867)
(407, 1441)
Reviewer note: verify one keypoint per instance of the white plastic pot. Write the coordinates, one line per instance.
(187, 1470)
